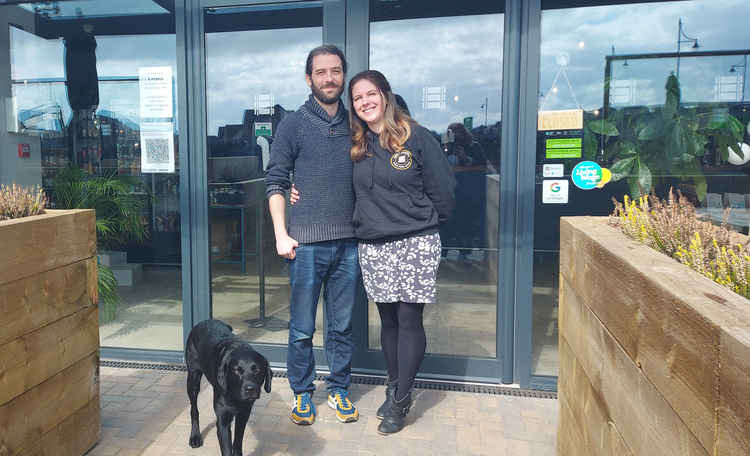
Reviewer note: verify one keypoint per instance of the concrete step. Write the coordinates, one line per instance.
(111, 257)
(127, 275)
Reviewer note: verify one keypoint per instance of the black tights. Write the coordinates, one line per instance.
(403, 340)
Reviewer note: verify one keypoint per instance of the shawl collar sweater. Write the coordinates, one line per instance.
(314, 147)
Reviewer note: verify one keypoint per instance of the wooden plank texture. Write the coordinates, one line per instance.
(43, 242)
(33, 302)
(28, 417)
(595, 433)
(31, 359)
(646, 421)
(569, 436)
(73, 437)
(656, 310)
(734, 392)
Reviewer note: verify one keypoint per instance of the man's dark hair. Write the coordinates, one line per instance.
(326, 49)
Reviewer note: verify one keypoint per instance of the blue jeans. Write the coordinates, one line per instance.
(333, 265)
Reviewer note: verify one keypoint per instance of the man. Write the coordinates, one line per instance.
(319, 245)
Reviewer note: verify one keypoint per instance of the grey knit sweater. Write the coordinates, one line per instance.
(314, 147)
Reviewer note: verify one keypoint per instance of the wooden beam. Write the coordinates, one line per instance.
(592, 431)
(734, 392)
(27, 361)
(73, 437)
(33, 302)
(43, 242)
(657, 311)
(48, 405)
(646, 421)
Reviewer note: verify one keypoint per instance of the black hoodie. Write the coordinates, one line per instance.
(405, 193)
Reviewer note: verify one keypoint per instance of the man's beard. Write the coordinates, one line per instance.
(326, 99)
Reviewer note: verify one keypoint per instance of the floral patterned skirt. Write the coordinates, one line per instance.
(404, 270)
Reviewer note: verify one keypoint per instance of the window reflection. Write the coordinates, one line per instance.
(255, 75)
(458, 98)
(74, 100)
(656, 111)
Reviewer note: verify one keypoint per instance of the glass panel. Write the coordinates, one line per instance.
(458, 98)
(636, 48)
(255, 74)
(78, 87)
(91, 8)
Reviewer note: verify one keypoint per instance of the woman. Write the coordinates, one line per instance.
(403, 187)
(465, 230)
(465, 153)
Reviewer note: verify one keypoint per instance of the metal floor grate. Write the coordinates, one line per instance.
(367, 380)
(142, 365)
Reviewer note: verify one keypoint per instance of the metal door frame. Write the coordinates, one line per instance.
(346, 24)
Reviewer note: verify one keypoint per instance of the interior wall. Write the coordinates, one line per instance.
(28, 170)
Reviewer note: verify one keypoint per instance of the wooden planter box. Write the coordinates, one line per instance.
(654, 357)
(49, 334)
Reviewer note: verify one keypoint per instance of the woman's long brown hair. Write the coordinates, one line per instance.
(396, 125)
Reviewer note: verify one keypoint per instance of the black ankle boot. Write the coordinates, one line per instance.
(395, 415)
(390, 386)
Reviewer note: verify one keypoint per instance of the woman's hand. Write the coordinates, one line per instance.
(293, 195)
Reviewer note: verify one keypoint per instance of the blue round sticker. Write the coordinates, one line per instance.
(586, 175)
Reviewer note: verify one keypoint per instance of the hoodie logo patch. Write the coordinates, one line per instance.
(401, 160)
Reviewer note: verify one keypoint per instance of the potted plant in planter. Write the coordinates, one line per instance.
(654, 355)
(639, 144)
(49, 332)
(118, 220)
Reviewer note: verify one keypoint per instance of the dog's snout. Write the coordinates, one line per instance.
(251, 390)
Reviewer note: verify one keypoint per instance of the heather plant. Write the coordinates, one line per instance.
(17, 201)
(673, 228)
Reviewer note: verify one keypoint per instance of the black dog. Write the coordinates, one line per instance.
(235, 371)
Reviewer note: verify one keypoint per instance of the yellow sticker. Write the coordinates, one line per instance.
(606, 177)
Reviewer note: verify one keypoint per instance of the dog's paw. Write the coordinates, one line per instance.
(196, 441)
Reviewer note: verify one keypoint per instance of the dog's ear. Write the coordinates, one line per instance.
(221, 372)
(269, 375)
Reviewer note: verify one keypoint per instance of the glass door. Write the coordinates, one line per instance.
(92, 96)
(254, 66)
(254, 75)
(454, 89)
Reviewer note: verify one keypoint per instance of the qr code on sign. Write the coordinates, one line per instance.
(157, 150)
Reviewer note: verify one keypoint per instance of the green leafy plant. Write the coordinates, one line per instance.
(672, 227)
(17, 201)
(118, 219)
(118, 210)
(643, 145)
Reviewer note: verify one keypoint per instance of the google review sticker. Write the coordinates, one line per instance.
(555, 191)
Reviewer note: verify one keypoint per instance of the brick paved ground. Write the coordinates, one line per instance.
(146, 412)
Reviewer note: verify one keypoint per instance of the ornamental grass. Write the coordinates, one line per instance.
(673, 228)
(17, 201)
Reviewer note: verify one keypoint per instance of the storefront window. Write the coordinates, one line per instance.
(255, 75)
(92, 91)
(454, 90)
(620, 91)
